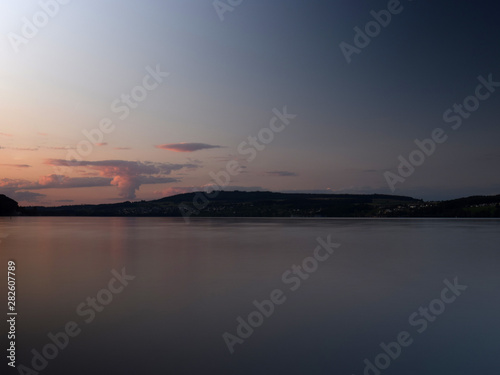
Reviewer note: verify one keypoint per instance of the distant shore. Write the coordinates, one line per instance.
(270, 204)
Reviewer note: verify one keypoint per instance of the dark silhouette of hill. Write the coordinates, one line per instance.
(238, 203)
(8, 207)
(475, 206)
(270, 204)
(252, 196)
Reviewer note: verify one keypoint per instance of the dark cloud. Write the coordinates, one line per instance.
(194, 161)
(26, 196)
(24, 148)
(53, 181)
(282, 173)
(186, 147)
(16, 165)
(60, 181)
(17, 184)
(240, 159)
(128, 176)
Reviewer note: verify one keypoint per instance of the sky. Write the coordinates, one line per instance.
(107, 101)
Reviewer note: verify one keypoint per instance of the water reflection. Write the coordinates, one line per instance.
(193, 281)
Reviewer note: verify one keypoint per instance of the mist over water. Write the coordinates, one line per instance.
(192, 281)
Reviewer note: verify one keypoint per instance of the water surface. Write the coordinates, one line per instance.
(192, 281)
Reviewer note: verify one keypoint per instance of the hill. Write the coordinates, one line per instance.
(8, 207)
(475, 206)
(270, 204)
(238, 203)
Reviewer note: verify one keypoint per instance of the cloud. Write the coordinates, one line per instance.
(18, 184)
(282, 173)
(240, 159)
(186, 147)
(127, 176)
(60, 148)
(16, 165)
(26, 196)
(101, 144)
(53, 181)
(60, 181)
(194, 161)
(17, 188)
(126, 184)
(6, 135)
(111, 167)
(24, 148)
(122, 148)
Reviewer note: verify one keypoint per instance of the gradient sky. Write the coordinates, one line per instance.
(225, 78)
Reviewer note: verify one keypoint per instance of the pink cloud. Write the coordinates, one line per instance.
(16, 184)
(127, 176)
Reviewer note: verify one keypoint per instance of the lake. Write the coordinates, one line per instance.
(254, 296)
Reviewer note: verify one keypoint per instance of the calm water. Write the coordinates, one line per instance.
(193, 281)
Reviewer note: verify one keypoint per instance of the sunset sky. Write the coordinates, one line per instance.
(206, 85)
